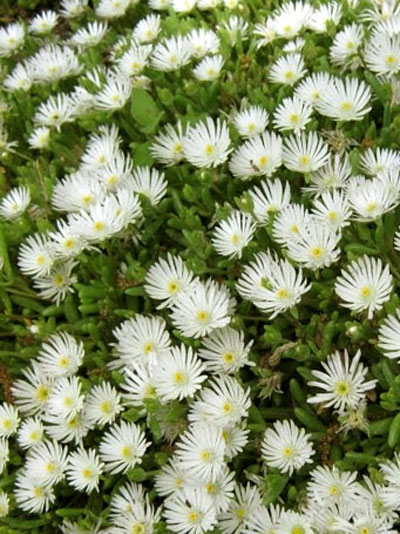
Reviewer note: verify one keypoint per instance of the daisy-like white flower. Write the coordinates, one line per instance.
(203, 42)
(167, 147)
(128, 497)
(391, 472)
(290, 224)
(31, 496)
(342, 381)
(111, 9)
(15, 203)
(371, 198)
(294, 523)
(171, 54)
(122, 447)
(331, 12)
(247, 500)
(150, 183)
(223, 404)
(286, 447)
(209, 68)
(46, 463)
(179, 375)
(9, 420)
(225, 351)
(167, 279)
(32, 392)
(114, 95)
(374, 496)
(102, 404)
(200, 451)
(332, 209)
(39, 138)
(376, 161)
(305, 152)
(290, 18)
(172, 479)
(364, 285)
(66, 243)
(220, 490)
(232, 235)
(345, 100)
(328, 485)
(236, 26)
(134, 60)
(30, 433)
(272, 284)
(11, 38)
(200, 310)
(193, 513)
(147, 29)
(183, 6)
(269, 198)
(382, 54)
(334, 175)
(4, 504)
(311, 89)
(316, 247)
(287, 70)
(36, 255)
(264, 520)
(265, 32)
(389, 336)
(20, 78)
(67, 429)
(52, 63)
(65, 399)
(55, 111)
(139, 385)
(251, 121)
(61, 355)
(260, 155)
(141, 340)
(236, 438)
(75, 193)
(346, 44)
(43, 22)
(292, 114)
(83, 470)
(207, 144)
(89, 36)
(58, 283)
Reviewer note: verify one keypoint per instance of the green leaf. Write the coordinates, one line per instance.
(275, 484)
(145, 110)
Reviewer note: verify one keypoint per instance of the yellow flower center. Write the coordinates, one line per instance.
(235, 239)
(178, 482)
(205, 456)
(287, 451)
(210, 488)
(294, 228)
(50, 467)
(365, 291)
(38, 492)
(342, 388)
(64, 361)
(148, 347)
(193, 517)
(294, 118)
(228, 357)
(42, 393)
(346, 106)
(370, 207)
(177, 148)
(332, 215)
(69, 243)
(86, 473)
(139, 528)
(251, 127)
(289, 75)
(304, 160)
(262, 161)
(126, 452)
(298, 530)
(202, 316)
(334, 490)
(316, 252)
(98, 226)
(282, 293)
(209, 149)
(178, 377)
(390, 60)
(227, 407)
(173, 287)
(105, 407)
(240, 513)
(40, 259)
(6, 424)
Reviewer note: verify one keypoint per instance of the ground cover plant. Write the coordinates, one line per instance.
(199, 249)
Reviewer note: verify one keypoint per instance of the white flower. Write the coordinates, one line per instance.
(9, 420)
(21, 77)
(209, 68)
(382, 54)
(272, 284)
(58, 283)
(66, 243)
(287, 70)
(46, 463)
(4, 504)
(220, 491)
(329, 486)
(334, 175)
(83, 470)
(292, 114)
(203, 42)
(371, 198)
(207, 143)
(36, 255)
(128, 497)
(150, 183)
(110, 9)
(346, 44)
(290, 18)
(75, 193)
(72, 8)
(261, 155)
(190, 514)
(316, 246)
(232, 235)
(147, 29)
(200, 452)
(346, 100)
(373, 162)
(269, 198)
(311, 89)
(342, 381)
(55, 111)
(15, 203)
(236, 438)
(332, 209)
(171, 54)
(30, 433)
(236, 26)
(264, 520)
(167, 147)
(32, 392)
(293, 523)
(286, 447)
(167, 279)
(65, 399)
(52, 63)
(364, 285)
(225, 351)
(142, 340)
(89, 36)
(305, 152)
(4, 453)
(251, 121)
(139, 385)
(179, 374)
(265, 32)
(11, 38)
(134, 60)
(114, 94)
(65, 430)
(31, 496)
(223, 404)
(172, 479)
(102, 404)
(122, 447)
(43, 22)
(391, 472)
(201, 309)
(61, 355)
(389, 335)
(290, 224)
(247, 500)
(331, 12)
